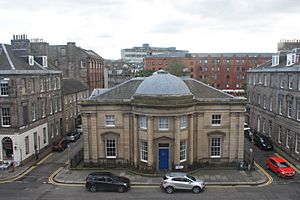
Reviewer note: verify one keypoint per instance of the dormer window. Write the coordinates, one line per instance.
(31, 60)
(290, 59)
(275, 60)
(44, 61)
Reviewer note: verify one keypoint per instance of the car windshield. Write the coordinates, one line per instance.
(191, 177)
(283, 165)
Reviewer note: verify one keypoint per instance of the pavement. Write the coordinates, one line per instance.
(212, 176)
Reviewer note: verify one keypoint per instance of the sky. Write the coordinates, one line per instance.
(199, 26)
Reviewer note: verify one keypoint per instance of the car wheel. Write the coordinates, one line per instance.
(169, 189)
(93, 188)
(121, 189)
(278, 174)
(196, 190)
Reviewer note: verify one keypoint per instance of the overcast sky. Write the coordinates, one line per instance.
(200, 26)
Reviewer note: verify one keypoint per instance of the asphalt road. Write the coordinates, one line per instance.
(34, 186)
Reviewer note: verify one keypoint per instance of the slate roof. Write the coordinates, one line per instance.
(126, 92)
(11, 62)
(71, 85)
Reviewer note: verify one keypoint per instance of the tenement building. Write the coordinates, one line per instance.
(162, 122)
(225, 71)
(30, 101)
(274, 100)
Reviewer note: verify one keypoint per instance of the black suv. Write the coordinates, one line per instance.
(106, 181)
(263, 142)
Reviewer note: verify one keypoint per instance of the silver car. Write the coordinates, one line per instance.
(181, 181)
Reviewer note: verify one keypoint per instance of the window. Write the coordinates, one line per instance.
(144, 151)
(290, 78)
(42, 84)
(52, 130)
(143, 122)
(258, 97)
(182, 153)
(215, 147)
(264, 125)
(163, 123)
(33, 112)
(55, 104)
(298, 82)
(110, 146)
(290, 103)
(287, 138)
(264, 101)
(270, 127)
(27, 145)
(43, 107)
(279, 134)
(298, 110)
(280, 107)
(57, 128)
(183, 122)
(3, 88)
(281, 81)
(5, 115)
(265, 80)
(216, 120)
(297, 144)
(271, 103)
(31, 85)
(109, 120)
(259, 79)
(51, 106)
(44, 136)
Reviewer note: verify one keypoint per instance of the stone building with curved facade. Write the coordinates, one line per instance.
(162, 122)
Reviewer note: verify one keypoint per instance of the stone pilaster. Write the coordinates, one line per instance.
(177, 141)
(191, 140)
(150, 141)
(94, 138)
(135, 140)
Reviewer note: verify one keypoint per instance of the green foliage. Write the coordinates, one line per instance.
(176, 68)
(145, 73)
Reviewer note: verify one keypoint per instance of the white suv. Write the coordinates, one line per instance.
(181, 181)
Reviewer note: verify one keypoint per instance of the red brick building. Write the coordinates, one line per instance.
(223, 71)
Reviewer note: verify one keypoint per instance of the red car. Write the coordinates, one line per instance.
(61, 145)
(280, 167)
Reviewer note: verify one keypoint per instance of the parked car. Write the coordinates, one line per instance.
(248, 133)
(263, 142)
(106, 181)
(73, 136)
(280, 167)
(79, 129)
(181, 181)
(61, 145)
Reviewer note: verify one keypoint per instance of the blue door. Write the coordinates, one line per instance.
(163, 159)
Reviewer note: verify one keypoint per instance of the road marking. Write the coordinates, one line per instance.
(45, 158)
(295, 168)
(20, 176)
(270, 179)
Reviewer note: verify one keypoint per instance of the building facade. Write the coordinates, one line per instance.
(226, 71)
(73, 92)
(162, 122)
(30, 101)
(75, 62)
(137, 54)
(274, 100)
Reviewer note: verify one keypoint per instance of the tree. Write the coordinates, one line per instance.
(176, 68)
(145, 73)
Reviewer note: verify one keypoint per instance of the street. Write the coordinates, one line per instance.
(35, 186)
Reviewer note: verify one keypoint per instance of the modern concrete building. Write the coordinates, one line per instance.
(137, 54)
(30, 101)
(226, 71)
(162, 122)
(274, 99)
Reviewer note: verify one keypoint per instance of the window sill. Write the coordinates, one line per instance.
(145, 161)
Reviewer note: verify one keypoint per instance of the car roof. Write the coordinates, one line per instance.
(173, 174)
(277, 159)
(101, 174)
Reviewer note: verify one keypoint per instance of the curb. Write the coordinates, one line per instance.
(54, 180)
